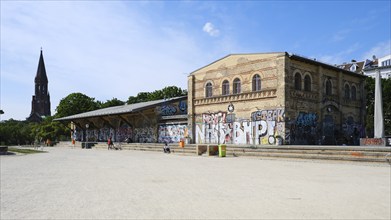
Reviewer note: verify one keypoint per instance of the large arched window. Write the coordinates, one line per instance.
(256, 83)
(347, 91)
(236, 89)
(208, 90)
(329, 90)
(298, 81)
(354, 93)
(225, 87)
(307, 83)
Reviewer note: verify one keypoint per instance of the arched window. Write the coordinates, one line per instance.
(256, 83)
(329, 90)
(298, 81)
(237, 85)
(225, 87)
(347, 91)
(307, 83)
(208, 90)
(354, 91)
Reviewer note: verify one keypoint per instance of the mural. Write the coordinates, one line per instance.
(265, 127)
(172, 133)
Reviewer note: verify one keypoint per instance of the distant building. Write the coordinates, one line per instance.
(40, 104)
(383, 65)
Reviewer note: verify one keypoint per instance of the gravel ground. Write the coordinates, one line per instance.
(68, 183)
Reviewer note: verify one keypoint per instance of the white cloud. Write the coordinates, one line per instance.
(211, 30)
(379, 50)
(103, 50)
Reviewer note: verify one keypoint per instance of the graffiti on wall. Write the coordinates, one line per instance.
(265, 127)
(303, 130)
(102, 134)
(167, 110)
(145, 135)
(172, 133)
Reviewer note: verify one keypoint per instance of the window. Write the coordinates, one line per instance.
(307, 83)
(256, 83)
(298, 81)
(236, 89)
(329, 90)
(347, 91)
(225, 87)
(354, 95)
(208, 90)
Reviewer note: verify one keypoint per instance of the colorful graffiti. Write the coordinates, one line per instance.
(266, 127)
(172, 133)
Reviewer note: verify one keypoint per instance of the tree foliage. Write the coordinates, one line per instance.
(165, 93)
(110, 103)
(370, 88)
(75, 103)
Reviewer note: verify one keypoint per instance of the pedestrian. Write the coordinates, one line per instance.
(109, 143)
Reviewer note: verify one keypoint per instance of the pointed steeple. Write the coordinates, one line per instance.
(40, 104)
(41, 71)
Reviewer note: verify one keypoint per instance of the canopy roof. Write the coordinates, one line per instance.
(118, 110)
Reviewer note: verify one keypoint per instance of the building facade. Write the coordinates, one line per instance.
(40, 104)
(274, 98)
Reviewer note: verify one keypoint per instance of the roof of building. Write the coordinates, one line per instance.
(118, 110)
(236, 58)
(356, 67)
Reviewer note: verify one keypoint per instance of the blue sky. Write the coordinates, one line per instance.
(115, 49)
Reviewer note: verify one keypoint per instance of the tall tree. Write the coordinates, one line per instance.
(75, 103)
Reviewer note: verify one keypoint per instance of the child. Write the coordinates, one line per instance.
(166, 148)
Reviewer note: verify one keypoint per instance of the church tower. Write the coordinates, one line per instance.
(40, 105)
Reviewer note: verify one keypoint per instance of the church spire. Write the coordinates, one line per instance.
(40, 104)
(41, 71)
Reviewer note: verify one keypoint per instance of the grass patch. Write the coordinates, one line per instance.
(24, 151)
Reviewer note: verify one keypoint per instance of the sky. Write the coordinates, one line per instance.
(116, 49)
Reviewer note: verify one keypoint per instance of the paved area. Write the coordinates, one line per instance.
(99, 184)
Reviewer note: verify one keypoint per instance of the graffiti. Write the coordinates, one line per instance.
(172, 133)
(145, 135)
(306, 119)
(277, 115)
(266, 127)
(372, 142)
(167, 110)
(182, 106)
(303, 130)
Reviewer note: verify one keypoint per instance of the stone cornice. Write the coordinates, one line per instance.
(263, 94)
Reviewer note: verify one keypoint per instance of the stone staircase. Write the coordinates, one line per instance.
(345, 153)
(158, 147)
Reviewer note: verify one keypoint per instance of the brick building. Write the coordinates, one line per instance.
(275, 98)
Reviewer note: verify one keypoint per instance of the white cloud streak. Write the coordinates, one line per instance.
(211, 30)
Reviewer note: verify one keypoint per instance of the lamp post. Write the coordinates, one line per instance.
(87, 126)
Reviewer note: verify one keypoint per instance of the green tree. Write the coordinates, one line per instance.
(75, 103)
(13, 132)
(111, 103)
(167, 92)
